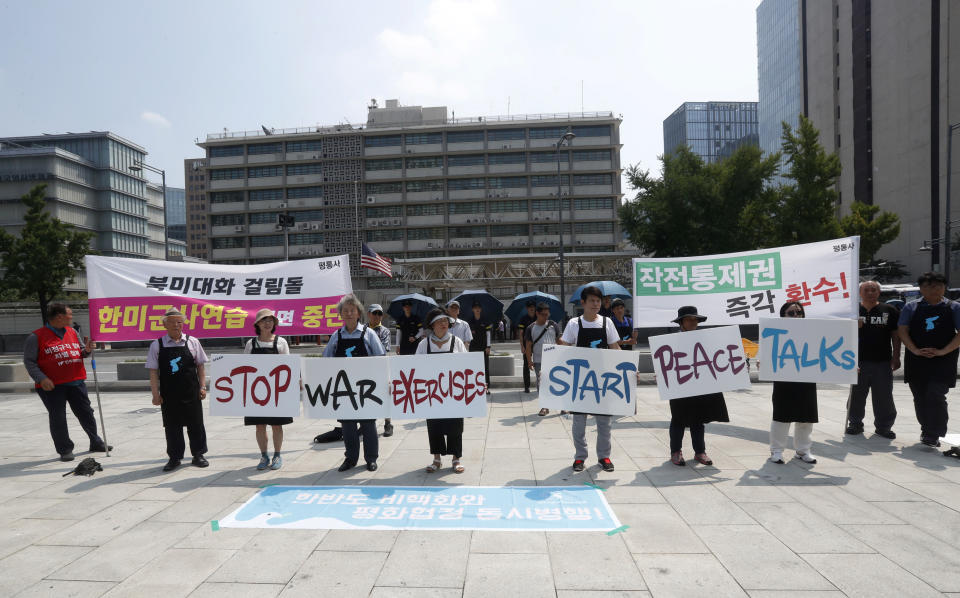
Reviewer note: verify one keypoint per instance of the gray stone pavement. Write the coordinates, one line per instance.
(872, 518)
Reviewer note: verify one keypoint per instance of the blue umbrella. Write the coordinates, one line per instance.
(421, 305)
(518, 307)
(609, 288)
(492, 307)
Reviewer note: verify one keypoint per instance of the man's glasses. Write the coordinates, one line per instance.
(793, 313)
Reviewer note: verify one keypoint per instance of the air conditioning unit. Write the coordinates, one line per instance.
(429, 245)
(536, 218)
(239, 228)
(409, 151)
(396, 220)
(315, 227)
(546, 218)
(371, 199)
(542, 243)
(506, 146)
(283, 204)
(499, 244)
(384, 222)
(306, 226)
(278, 227)
(372, 223)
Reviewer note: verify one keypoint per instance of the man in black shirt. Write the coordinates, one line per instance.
(879, 357)
(481, 331)
(407, 326)
(529, 318)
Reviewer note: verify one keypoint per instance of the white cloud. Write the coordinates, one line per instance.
(155, 119)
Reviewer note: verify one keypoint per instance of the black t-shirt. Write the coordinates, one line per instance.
(878, 323)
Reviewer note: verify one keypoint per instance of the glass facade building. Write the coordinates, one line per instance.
(176, 205)
(780, 69)
(712, 130)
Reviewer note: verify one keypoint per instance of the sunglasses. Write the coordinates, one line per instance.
(793, 313)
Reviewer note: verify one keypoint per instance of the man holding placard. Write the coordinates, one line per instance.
(929, 329)
(593, 331)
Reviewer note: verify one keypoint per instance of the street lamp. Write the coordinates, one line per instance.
(568, 137)
(947, 244)
(138, 166)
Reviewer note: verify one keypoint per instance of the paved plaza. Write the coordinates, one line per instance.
(872, 518)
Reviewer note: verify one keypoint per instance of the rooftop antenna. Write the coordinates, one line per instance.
(266, 131)
(508, 105)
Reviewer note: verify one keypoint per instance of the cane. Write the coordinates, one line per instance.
(96, 386)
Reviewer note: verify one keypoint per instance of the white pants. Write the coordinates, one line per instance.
(801, 436)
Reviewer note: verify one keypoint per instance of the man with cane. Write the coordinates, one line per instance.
(54, 358)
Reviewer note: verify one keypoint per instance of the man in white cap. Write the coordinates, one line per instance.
(375, 320)
(459, 328)
(177, 381)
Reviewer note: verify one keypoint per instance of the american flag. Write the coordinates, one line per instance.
(373, 260)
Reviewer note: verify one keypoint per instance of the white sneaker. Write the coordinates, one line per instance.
(776, 457)
(805, 457)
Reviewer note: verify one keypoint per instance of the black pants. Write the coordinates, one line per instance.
(930, 403)
(352, 429)
(696, 436)
(876, 378)
(446, 436)
(526, 374)
(56, 401)
(198, 440)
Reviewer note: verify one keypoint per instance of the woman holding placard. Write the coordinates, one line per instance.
(267, 342)
(693, 412)
(796, 403)
(355, 340)
(445, 434)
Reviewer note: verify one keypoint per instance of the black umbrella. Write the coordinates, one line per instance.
(492, 307)
(421, 305)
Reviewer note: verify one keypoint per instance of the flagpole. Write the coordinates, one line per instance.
(356, 216)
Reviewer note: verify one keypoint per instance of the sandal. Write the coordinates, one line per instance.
(435, 466)
(457, 468)
(543, 412)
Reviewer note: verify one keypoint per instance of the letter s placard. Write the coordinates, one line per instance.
(588, 380)
(808, 350)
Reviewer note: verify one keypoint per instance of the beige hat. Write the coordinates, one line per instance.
(173, 311)
(266, 312)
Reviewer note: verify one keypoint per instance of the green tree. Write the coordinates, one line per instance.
(875, 228)
(45, 256)
(807, 210)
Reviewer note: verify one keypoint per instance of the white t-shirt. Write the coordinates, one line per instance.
(458, 346)
(573, 328)
(549, 337)
(282, 346)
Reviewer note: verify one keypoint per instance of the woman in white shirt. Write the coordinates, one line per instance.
(266, 342)
(445, 434)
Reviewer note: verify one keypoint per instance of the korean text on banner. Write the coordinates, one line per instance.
(437, 386)
(128, 297)
(740, 288)
(255, 385)
(347, 387)
(808, 350)
(699, 362)
(588, 380)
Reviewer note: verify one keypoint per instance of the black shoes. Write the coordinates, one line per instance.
(67, 456)
(888, 434)
(387, 430)
(101, 448)
(171, 465)
(854, 430)
(606, 464)
(372, 466)
(200, 461)
(930, 441)
(331, 436)
(347, 465)
(578, 465)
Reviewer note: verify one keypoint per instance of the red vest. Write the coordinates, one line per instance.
(60, 359)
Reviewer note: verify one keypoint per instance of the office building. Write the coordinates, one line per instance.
(176, 205)
(195, 181)
(415, 184)
(780, 66)
(712, 130)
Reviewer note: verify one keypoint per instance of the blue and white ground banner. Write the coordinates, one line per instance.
(510, 508)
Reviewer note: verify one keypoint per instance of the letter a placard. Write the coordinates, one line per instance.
(588, 380)
(254, 385)
(699, 362)
(346, 387)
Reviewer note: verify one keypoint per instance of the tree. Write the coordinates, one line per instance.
(875, 230)
(45, 256)
(807, 210)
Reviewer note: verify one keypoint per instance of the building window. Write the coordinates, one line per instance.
(514, 205)
(307, 215)
(592, 131)
(304, 192)
(549, 180)
(591, 155)
(385, 212)
(223, 174)
(465, 160)
(381, 140)
(264, 148)
(471, 232)
(432, 185)
(552, 229)
(388, 164)
(226, 196)
(505, 134)
(593, 203)
(586, 228)
(264, 217)
(509, 230)
(464, 136)
(510, 158)
(304, 146)
(422, 138)
(459, 184)
(541, 157)
(466, 207)
(225, 220)
(226, 151)
(436, 232)
(593, 179)
(374, 188)
(425, 162)
(302, 169)
(507, 182)
(229, 242)
(266, 194)
(390, 234)
(554, 133)
(306, 239)
(264, 171)
(545, 205)
(429, 209)
(266, 241)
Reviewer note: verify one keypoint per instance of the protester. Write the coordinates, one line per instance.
(375, 319)
(459, 328)
(356, 340)
(693, 412)
(537, 335)
(606, 307)
(54, 358)
(267, 342)
(408, 325)
(591, 330)
(793, 402)
(624, 325)
(929, 329)
(527, 319)
(178, 383)
(501, 330)
(480, 332)
(445, 434)
(879, 354)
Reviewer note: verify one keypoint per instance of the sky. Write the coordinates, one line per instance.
(165, 74)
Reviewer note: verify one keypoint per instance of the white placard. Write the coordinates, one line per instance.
(438, 385)
(346, 387)
(261, 385)
(699, 362)
(600, 381)
(740, 288)
(808, 350)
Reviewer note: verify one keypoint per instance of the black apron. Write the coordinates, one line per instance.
(408, 327)
(444, 425)
(360, 350)
(587, 336)
(795, 402)
(179, 386)
(479, 331)
(625, 332)
(259, 349)
(932, 326)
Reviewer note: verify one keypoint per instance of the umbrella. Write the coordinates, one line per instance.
(609, 288)
(518, 307)
(492, 307)
(421, 305)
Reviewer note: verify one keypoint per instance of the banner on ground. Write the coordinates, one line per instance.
(600, 381)
(808, 350)
(699, 362)
(128, 297)
(512, 508)
(740, 288)
(347, 388)
(437, 386)
(254, 385)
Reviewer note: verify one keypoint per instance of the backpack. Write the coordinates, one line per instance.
(88, 467)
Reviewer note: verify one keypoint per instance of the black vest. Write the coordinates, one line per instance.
(592, 338)
(259, 349)
(932, 326)
(359, 347)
